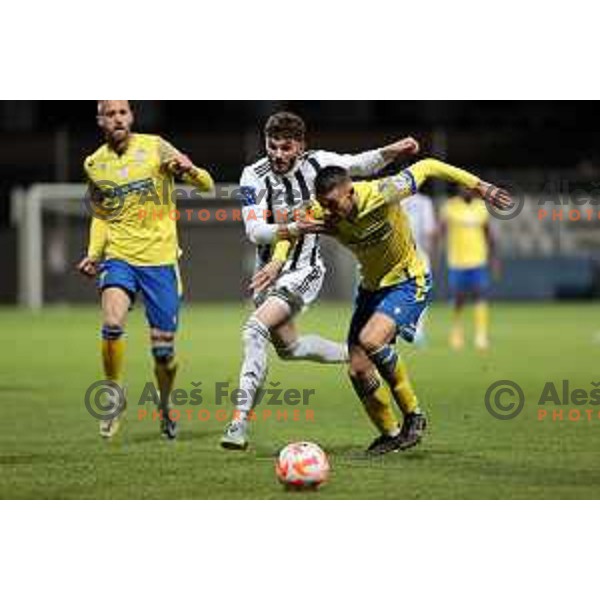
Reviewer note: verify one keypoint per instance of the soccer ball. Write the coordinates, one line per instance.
(302, 465)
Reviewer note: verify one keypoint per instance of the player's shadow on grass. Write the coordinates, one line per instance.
(350, 453)
(22, 459)
(185, 435)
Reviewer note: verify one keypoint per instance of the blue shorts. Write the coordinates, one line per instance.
(404, 303)
(160, 288)
(464, 281)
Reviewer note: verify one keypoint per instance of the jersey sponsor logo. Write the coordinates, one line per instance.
(247, 195)
(140, 186)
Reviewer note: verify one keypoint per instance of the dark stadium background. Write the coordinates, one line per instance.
(46, 141)
(49, 443)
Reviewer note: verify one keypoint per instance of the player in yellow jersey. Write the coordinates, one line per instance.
(133, 244)
(469, 247)
(367, 218)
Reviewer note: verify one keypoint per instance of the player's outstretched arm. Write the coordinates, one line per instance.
(433, 168)
(401, 149)
(370, 162)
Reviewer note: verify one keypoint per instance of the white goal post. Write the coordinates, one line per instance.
(27, 207)
(26, 213)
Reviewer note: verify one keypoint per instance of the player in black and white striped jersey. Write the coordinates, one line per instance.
(273, 190)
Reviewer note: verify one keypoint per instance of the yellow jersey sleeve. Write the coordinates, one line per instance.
(98, 238)
(408, 181)
(98, 227)
(430, 167)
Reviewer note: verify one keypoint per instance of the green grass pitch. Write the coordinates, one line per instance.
(50, 448)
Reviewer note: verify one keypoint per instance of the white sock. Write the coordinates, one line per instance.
(316, 349)
(254, 366)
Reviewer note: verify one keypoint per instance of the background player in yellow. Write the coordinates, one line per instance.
(133, 244)
(469, 249)
(396, 285)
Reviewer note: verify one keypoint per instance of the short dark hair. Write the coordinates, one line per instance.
(285, 125)
(329, 178)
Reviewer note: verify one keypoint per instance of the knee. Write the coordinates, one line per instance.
(163, 346)
(369, 341)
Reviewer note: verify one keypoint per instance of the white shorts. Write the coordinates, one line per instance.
(298, 288)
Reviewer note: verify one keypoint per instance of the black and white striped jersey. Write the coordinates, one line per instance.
(270, 199)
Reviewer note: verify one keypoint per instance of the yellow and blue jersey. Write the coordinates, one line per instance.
(395, 279)
(379, 232)
(134, 231)
(138, 188)
(466, 222)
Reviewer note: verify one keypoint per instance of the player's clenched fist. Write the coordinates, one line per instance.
(180, 165)
(407, 146)
(88, 267)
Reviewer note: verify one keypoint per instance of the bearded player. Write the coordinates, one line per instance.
(273, 189)
(395, 289)
(133, 246)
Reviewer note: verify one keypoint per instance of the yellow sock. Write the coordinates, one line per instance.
(379, 408)
(395, 373)
(482, 319)
(403, 391)
(165, 377)
(113, 353)
(377, 401)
